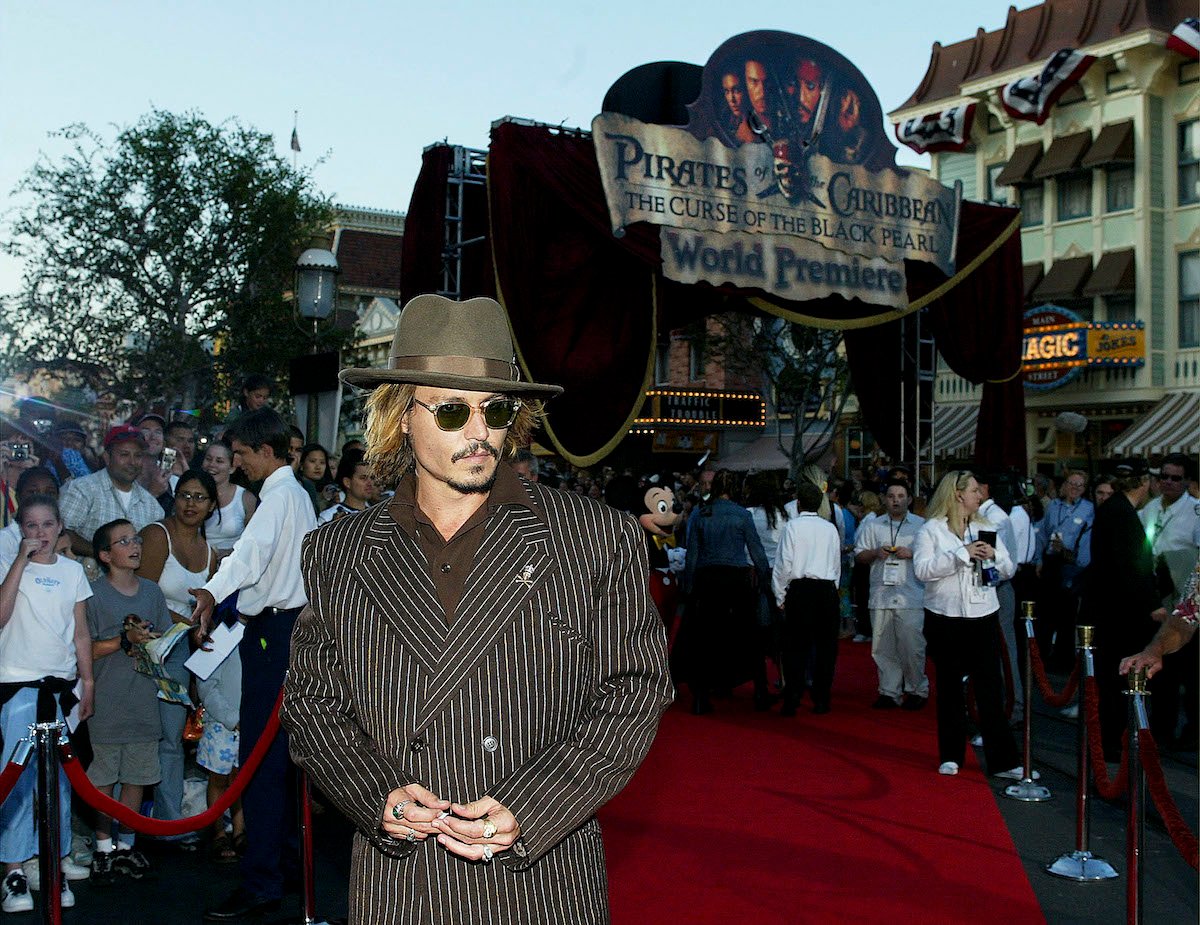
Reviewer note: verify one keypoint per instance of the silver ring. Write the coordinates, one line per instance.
(411, 836)
(489, 828)
(398, 810)
(487, 854)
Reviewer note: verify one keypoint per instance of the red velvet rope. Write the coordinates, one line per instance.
(1182, 837)
(12, 773)
(147, 826)
(1039, 675)
(1109, 788)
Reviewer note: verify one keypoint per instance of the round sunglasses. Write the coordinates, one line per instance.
(498, 413)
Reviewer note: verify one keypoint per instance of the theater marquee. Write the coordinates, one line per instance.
(783, 180)
(1059, 345)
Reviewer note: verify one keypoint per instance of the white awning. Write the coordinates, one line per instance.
(1171, 426)
(954, 429)
(764, 454)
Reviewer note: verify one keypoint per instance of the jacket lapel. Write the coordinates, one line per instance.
(512, 562)
(393, 575)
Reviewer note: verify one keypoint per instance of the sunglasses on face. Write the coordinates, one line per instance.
(192, 496)
(498, 413)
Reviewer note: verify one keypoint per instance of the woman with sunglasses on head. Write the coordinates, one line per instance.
(962, 629)
(44, 640)
(176, 554)
(235, 504)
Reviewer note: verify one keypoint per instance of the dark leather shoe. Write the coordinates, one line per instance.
(764, 702)
(241, 904)
(913, 702)
(820, 709)
(788, 708)
(884, 702)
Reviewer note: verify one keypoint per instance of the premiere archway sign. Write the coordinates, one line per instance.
(783, 180)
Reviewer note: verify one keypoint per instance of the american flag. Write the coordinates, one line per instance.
(1185, 39)
(1030, 98)
(948, 130)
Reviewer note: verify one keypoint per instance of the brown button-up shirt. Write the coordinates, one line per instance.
(449, 561)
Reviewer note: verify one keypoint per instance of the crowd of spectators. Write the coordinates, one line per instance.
(125, 525)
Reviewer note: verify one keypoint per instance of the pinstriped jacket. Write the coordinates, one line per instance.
(545, 692)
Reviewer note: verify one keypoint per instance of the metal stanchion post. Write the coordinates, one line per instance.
(47, 817)
(1135, 832)
(1081, 864)
(307, 864)
(1027, 791)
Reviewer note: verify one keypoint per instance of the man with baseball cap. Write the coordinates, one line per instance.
(480, 667)
(89, 502)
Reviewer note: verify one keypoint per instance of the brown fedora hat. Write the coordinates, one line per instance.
(452, 345)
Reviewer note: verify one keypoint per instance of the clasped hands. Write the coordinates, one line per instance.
(458, 827)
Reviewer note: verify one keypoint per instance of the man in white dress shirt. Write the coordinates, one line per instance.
(808, 566)
(264, 569)
(897, 601)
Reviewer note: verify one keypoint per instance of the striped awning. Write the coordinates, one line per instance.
(954, 430)
(1171, 426)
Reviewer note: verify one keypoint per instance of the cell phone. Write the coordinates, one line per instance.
(166, 461)
(20, 452)
(989, 537)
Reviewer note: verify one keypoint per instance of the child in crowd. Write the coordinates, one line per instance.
(43, 644)
(124, 611)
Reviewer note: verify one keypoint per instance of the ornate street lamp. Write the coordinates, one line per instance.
(316, 285)
(316, 294)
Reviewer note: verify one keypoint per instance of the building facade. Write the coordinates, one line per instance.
(1109, 191)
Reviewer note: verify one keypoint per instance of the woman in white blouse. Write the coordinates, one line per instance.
(962, 627)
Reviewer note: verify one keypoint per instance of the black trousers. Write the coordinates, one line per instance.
(810, 630)
(270, 800)
(959, 648)
(726, 641)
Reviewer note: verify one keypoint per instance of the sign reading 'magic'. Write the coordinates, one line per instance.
(782, 181)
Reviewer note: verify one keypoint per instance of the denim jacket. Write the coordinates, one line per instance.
(720, 533)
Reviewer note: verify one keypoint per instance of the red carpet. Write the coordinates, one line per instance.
(745, 817)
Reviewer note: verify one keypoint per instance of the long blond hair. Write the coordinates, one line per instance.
(389, 450)
(945, 503)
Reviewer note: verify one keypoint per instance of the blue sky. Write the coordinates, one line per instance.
(375, 83)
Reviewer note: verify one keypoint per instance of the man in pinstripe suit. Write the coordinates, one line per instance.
(479, 668)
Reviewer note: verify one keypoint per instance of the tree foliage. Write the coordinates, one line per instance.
(156, 264)
(804, 367)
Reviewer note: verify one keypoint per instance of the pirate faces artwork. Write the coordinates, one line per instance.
(794, 94)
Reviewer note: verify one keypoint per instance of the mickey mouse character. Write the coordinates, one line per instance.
(660, 516)
(659, 513)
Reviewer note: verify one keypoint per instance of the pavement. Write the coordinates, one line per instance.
(1043, 831)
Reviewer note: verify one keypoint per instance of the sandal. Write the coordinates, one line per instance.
(222, 851)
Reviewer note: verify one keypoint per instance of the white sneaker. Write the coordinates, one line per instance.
(948, 767)
(16, 893)
(73, 871)
(1016, 774)
(67, 898)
